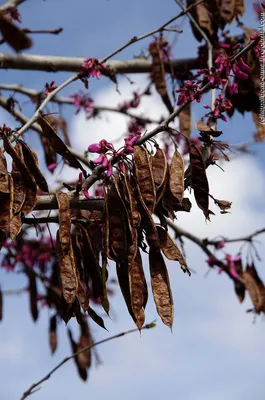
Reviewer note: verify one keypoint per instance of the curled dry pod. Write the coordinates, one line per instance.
(33, 294)
(144, 177)
(170, 249)
(261, 288)
(84, 358)
(117, 226)
(129, 192)
(62, 124)
(14, 36)
(239, 286)
(64, 221)
(252, 288)
(81, 370)
(119, 186)
(104, 276)
(199, 180)
(6, 195)
(19, 189)
(185, 121)
(53, 334)
(58, 145)
(30, 184)
(67, 272)
(31, 161)
(161, 287)
(123, 279)
(138, 288)
(158, 74)
(91, 265)
(176, 176)
(96, 318)
(159, 167)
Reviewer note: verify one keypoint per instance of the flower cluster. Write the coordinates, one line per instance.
(31, 253)
(221, 105)
(106, 149)
(189, 92)
(49, 87)
(164, 46)
(134, 103)
(14, 14)
(90, 67)
(82, 101)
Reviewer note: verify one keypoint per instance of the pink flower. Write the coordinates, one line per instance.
(109, 170)
(102, 159)
(86, 194)
(102, 147)
(220, 245)
(211, 261)
(90, 67)
(49, 87)
(52, 167)
(82, 101)
(14, 14)
(231, 265)
(94, 148)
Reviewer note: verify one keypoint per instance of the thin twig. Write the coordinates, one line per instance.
(153, 32)
(66, 359)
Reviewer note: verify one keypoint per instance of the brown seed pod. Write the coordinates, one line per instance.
(14, 36)
(64, 221)
(144, 177)
(176, 176)
(138, 286)
(31, 161)
(159, 167)
(161, 287)
(170, 249)
(58, 145)
(52, 334)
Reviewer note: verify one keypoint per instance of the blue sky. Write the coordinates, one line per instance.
(215, 351)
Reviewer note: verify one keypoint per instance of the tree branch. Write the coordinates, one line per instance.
(11, 3)
(80, 202)
(66, 359)
(48, 63)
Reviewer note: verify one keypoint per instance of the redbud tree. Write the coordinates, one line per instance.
(124, 201)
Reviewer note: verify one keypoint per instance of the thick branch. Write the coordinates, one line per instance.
(49, 202)
(11, 3)
(73, 64)
(66, 359)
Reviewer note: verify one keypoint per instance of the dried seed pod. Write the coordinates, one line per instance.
(117, 226)
(30, 184)
(138, 286)
(144, 177)
(62, 124)
(53, 334)
(67, 271)
(185, 121)
(170, 249)
(199, 180)
(31, 161)
(19, 189)
(129, 191)
(58, 145)
(81, 370)
(33, 295)
(96, 318)
(159, 167)
(176, 176)
(158, 74)
(251, 270)
(14, 36)
(161, 287)
(64, 221)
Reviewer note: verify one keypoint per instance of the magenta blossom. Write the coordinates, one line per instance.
(49, 87)
(190, 92)
(52, 167)
(90, 67)
(82, 101)
(102, 159)
(14, 14)
(102, 147)
(220, 245)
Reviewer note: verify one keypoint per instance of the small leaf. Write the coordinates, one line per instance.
(96, 318)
